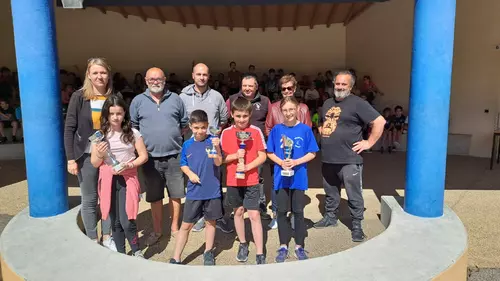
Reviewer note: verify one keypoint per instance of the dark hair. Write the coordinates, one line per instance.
(271, 70)
(250, 66)
(249, 76)
(115, 100)
(241, 104)
(367, 77)
(288, 99)
(293, 74)
(398, 107)
(387, 109)
(198, 116)
(232, 63)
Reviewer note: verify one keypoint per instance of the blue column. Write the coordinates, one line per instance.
(432, 60)
(37, 65)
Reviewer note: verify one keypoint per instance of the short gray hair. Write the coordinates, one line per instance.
(346, 72)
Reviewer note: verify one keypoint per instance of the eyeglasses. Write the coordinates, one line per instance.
(286, 88)
(155, 80)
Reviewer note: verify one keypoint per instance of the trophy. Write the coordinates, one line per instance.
(287, 149)
(97, 137)
(215, 132)
(242, 137)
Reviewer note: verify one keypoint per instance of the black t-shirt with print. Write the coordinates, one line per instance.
(8, 111)
(343, 123)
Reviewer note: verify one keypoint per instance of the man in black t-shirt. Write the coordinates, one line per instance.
(342, 120)
(7, 118)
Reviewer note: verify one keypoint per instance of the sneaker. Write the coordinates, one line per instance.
(273, 224)
(242, 255)
(260, 259)
(153, 238)
(224, 226)
(14, 139)
(209, 258)
(390, 149)
(265, 216)
(173, 261)
(301, 254)
(3, 140)
(110, 244)
(357, 233)
(139, 254)
(326, 222)
(396, 145)
(199, 226)
(292, 221)
(282, 255)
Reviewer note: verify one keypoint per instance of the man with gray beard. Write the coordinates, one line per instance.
(160, 116)
(341, 126)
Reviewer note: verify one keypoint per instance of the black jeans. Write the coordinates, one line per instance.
(120, 224)
(297, 199)
(350, 175)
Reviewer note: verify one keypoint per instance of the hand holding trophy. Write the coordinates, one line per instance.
(287, 149)
(242, 137)
(110, 159)
(214, 132)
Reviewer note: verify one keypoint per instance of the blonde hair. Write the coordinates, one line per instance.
(288, 78)
(88, 89)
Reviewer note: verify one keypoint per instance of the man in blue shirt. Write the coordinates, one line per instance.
(201, 158)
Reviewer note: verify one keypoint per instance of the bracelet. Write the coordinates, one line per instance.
(132, 165)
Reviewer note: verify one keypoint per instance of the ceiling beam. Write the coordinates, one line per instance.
(246, 22)
(102, 9)
(123, 12)
(214, 17)
(359, 12)
(279, 17)
(229, 17)
(142, 13)
(181, 16)
(160, 14)
(331, 14)
(313, 16)
(350, 13)
(195, 16)
(296, 16)
(263, 15)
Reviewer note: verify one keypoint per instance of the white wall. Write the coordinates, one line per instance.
(134, 45)
(379, 44)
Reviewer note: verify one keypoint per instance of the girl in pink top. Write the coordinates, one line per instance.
(119, 190)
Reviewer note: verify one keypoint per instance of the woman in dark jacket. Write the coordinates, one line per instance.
(82, 120)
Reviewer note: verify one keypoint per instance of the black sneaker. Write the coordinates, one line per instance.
(390, 149)
(173, 261)
(382, 150)
(14, 139)
(260, 259)
(326, 222)
(242, 255)
(3, 140)
(357, 233)
(224, 226)
(209, 258)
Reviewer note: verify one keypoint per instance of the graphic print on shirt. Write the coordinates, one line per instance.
(330, 124)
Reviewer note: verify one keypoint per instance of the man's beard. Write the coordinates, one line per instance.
(341, 94)
(156, 89)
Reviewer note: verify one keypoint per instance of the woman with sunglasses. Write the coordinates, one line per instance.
(83, 120)
(288, 85)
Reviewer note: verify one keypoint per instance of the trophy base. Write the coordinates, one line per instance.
(240, 176)
(118, 167)
(287, 173)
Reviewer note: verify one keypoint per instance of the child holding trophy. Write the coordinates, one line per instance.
(244, 149)
(113, 152)
(291, 145)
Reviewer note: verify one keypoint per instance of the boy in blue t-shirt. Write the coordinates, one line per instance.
(291, 188)
(203, 198)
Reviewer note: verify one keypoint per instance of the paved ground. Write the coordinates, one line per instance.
(471, 190)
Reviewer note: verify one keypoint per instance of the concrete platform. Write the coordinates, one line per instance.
(410, 249)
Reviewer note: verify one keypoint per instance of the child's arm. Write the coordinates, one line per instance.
(97, 154)
(261, 158)
(218, 158)
(234, 157)
(192, 176)
(275, 158)
(140, 147)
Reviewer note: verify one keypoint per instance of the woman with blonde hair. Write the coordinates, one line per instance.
(83, 120)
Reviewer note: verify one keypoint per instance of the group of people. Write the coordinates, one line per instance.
(180, 142)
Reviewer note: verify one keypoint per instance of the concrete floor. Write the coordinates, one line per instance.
(472, 191)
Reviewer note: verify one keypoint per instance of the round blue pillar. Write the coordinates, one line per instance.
(432, 61)
(38, 70)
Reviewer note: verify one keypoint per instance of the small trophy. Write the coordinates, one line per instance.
(242, 137)
(215, 132)
(97, 137)
(287, 149)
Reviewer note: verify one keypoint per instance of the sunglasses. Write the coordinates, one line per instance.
(287, 88)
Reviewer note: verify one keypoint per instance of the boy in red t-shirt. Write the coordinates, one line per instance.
(244, 193)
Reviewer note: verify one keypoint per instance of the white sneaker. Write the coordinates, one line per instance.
(292, 221)
(273, 224)
(110, 244)
(139, 254)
